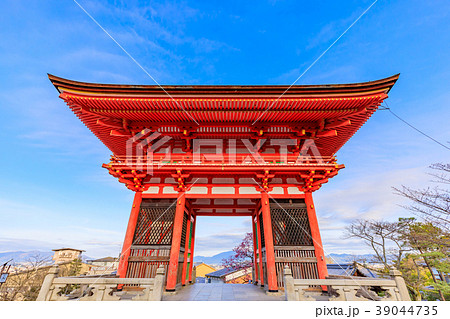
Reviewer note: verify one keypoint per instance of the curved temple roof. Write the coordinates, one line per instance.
(62, 84)
(330, 114)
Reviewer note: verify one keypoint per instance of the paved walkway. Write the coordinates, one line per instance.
(225, 292)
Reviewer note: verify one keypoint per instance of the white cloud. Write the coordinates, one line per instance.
(218, 234)
(214, 244)
(369, 196)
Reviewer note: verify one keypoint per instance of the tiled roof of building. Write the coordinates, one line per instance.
(222, 272)
(68, 249)
(104, 259)
(350, 269)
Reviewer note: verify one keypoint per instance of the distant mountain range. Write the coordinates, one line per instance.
(348, 258)
(213, 260)
(24, 256)
(334, 258)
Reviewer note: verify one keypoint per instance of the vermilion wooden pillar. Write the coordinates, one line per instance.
(315, 234)
(176, 242)
(191, 262)
(186, 250)
(258, 229)
(268, 236)
(255, 264)
(128, 241)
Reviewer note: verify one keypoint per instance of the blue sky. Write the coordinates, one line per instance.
(53, 191)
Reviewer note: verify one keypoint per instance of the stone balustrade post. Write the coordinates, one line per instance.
(48, 281)
(158, 287)
(99, 292)
(401, 285)
(194, 275)
(289, 288)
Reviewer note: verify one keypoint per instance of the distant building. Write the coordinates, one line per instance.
(106, 265)
(201, 270)
(66, 255)
(230, 276)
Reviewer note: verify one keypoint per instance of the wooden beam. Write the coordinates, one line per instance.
(186, 250)
(260, 261)
(255, 261)
(295, 259)
(294, 247)
(268, 236)
(176, 242)
(129, 235)
(191, 262)
(315, 234)
(232, 206)
(223, 214)
(149, 258)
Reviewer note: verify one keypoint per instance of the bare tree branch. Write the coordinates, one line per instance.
(431, 204)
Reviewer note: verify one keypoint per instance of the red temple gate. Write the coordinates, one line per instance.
(192, 151)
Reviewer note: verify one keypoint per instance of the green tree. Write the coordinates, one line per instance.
(74, 267)
(416, 249)
(431, 243)
(415, 275)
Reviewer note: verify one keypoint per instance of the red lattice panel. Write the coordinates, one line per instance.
(290, 226)
(154, 226)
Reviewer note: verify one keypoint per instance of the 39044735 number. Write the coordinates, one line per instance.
(404, 310)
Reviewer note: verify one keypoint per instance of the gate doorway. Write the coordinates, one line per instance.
(215, 258)
(162, 233)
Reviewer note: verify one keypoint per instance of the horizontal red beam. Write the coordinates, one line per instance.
(235, 169)
(210, 196)
(218, 158)
(224, 214)
(212, 210)
(231, 206)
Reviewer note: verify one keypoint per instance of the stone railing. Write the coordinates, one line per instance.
(351, 289)
(100, 288)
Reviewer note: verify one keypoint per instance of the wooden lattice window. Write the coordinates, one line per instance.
(261, 228)
(154, 226)
(290, 226)
(183, 230)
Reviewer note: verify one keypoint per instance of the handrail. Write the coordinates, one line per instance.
(346, 282)
(348, 289)
(99, 288)
(108, 281)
